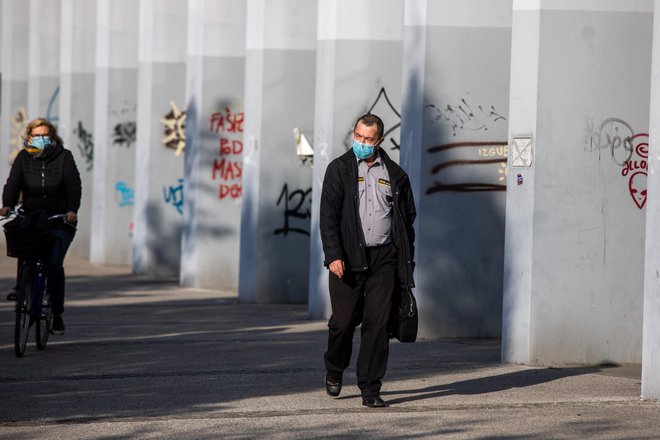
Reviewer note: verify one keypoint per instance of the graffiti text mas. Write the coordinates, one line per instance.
(228, 167)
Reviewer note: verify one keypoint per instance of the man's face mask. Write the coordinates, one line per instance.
(40, 142)
(363, 151)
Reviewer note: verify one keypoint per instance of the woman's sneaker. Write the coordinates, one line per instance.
(58, 325)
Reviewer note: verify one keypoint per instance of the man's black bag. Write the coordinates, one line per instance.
(404, 318)
(29, 235)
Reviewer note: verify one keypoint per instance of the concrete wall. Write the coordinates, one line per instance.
(44, 63)
(15, 55)
(575, 226)
(454, 144)
(159, 191)
(358, 69)
(280, 70)
(76, 104)
(214, 144)
(115, 114)
(651, 321)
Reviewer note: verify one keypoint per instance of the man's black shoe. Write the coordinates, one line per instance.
(332, 387)
(373, 402)
(58, 325)
(12, 295)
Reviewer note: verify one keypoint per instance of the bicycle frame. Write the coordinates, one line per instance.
(38, 287)
(32, 295)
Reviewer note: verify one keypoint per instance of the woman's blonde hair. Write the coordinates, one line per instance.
(42, 122)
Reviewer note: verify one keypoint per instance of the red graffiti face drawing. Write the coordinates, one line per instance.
(637, 187)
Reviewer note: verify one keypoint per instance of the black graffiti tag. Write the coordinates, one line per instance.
(124, 134)
(462, 116)
(85, 145)
(293, 208)
(383, 107)
(614, 134)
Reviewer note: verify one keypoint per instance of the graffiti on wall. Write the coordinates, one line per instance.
(85, 144)
(175, 129)
(18, 123)
(628, 149)
(173, 195)
(50, 112)
(127, 109)
(464, 116)
(125, 130)
(296, 206)
(126, 194)
(123, 134)
(636, 169)
(613, 135)
(383, 107)
(476, 154)
(227, 169)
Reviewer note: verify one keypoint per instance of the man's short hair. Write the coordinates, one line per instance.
(370, 120)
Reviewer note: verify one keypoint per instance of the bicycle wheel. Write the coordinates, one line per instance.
(23, 312)
(44, 323)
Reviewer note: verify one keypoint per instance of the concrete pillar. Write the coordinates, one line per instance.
(44, 60)
(214, 143)
(454, 146)
(651, 323)
(575, 209)
(76, 104)
(15, 55)
(115, 103)
(358, 69)
(160, 137)
(279, 98)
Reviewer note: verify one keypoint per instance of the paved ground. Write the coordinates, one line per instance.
(143, 358)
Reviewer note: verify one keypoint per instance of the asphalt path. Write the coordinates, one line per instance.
(144, 358)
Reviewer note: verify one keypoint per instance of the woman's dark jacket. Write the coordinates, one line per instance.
(341, 231)
(49, 181)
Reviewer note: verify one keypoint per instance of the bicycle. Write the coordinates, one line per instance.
(33, 305)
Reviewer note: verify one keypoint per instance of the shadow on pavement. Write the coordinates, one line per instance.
(489, 384)
(145, 348)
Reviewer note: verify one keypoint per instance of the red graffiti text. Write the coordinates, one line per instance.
(636, 168)
(227, 169)
(228, 121)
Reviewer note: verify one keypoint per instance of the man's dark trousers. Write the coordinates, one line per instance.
(362, 297)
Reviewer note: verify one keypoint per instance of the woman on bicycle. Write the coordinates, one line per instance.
(46, 175)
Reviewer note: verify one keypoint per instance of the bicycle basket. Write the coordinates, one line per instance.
(29, 236)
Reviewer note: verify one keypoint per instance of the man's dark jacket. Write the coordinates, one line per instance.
(341, 232)
(49, 181)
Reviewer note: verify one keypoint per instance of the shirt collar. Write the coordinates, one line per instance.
(379, 159)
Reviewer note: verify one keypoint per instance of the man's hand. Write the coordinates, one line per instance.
(4, 211)
(337, 267)
(71, 217)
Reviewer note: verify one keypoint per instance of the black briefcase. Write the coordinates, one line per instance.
(404, 318)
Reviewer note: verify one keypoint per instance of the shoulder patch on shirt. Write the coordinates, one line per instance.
(360, 179)
(384, 182)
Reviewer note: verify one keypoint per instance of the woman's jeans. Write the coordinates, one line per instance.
(55, 283)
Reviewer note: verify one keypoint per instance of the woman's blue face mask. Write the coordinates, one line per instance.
(40, 142)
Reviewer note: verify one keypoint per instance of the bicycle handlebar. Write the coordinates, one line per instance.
(19, 213)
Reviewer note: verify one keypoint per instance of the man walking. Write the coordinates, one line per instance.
(366, 221)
